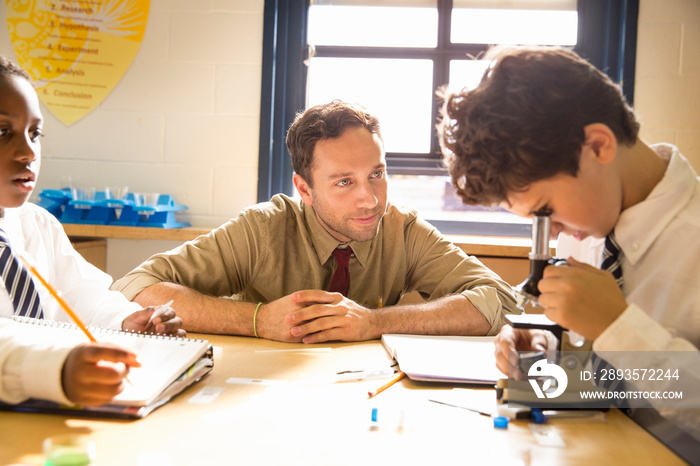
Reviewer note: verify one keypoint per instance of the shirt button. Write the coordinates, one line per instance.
(635, 246)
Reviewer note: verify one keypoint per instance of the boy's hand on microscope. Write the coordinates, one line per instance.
(581, 298)
(509, 340)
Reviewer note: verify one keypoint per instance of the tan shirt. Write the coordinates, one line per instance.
(276, 248)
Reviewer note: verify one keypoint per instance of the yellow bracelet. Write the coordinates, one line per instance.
(255, 314)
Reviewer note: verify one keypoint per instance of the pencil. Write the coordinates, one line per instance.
(64, 305)
(398, 377)
(60, 300)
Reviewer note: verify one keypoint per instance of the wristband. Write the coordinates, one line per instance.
(255, 314)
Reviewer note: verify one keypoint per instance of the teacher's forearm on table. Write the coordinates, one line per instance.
(201, 313)
(450, 315)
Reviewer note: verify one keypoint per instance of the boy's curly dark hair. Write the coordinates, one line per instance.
(525, 121)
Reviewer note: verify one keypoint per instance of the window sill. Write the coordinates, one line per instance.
(493, 246)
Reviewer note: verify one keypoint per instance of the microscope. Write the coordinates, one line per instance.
(540, 257)
(569, 355)
(527, 293)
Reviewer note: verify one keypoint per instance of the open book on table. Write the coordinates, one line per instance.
(168, 366)
(451, 359)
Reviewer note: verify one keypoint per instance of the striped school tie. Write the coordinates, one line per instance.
(18, 283)
(611, 263)
(611, 258)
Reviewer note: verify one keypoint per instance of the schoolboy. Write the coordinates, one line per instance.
(545, 131)
(29, 369)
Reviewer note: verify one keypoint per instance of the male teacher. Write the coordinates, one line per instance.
(332, 266)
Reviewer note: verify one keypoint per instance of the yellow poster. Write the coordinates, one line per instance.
(76, 50)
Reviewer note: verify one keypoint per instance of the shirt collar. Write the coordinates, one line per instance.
(640, 225)
(324, 243)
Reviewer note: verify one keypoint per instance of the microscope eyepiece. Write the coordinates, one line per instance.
(540, 257)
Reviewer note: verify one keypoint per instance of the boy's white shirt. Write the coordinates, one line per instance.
(660, 241)
(33, 369)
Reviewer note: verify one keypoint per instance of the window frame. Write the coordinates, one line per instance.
(611, 48)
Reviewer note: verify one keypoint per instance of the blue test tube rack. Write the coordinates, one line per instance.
(54, 200)
(161, 215)
(102, 211)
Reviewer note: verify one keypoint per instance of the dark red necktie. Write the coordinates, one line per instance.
(340, 282)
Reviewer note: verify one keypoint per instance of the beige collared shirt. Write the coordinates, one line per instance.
(276, 248)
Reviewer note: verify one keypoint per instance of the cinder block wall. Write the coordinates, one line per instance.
(667, 86)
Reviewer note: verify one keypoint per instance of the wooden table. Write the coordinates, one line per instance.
(308, 421)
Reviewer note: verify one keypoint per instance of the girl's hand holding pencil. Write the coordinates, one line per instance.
(155, 319)
(94, 373)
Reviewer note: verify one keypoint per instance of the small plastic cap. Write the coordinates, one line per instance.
(538, 417)
(500, 422)
(374, 414)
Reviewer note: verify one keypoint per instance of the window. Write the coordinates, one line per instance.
(392, 55)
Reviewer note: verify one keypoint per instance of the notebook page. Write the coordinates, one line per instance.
(163, 359)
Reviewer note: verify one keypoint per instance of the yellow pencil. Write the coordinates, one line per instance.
(60, 300)
(398, 377)
(63, 304)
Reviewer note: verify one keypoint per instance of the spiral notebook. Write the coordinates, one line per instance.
(168, 366)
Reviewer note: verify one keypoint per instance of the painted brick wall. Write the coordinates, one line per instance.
(184, 120)
(667, 87)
